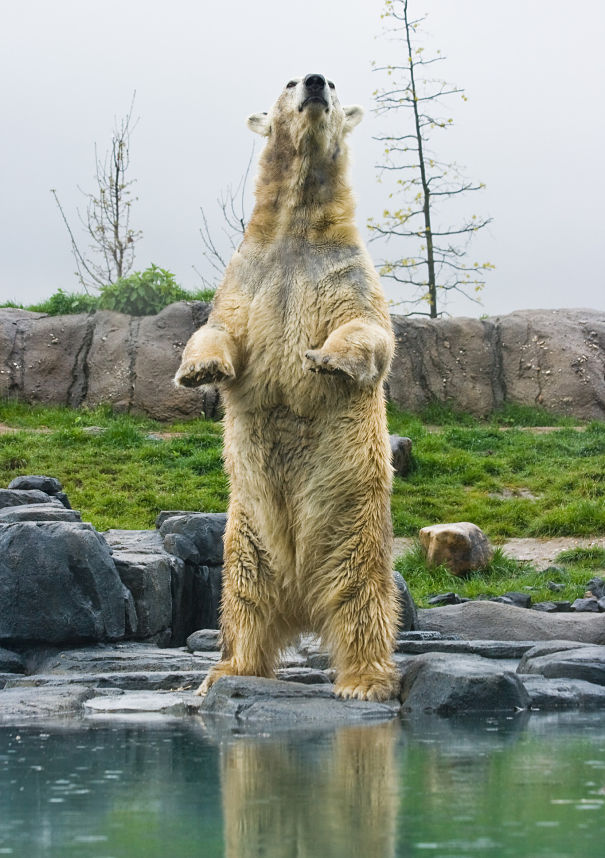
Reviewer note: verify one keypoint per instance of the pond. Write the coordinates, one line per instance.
(528, 785)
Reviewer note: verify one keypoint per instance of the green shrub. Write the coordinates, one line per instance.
(142, 293)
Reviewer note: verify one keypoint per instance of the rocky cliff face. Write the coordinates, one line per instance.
(551, 358)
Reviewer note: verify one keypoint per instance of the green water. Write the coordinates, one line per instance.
(524, 786)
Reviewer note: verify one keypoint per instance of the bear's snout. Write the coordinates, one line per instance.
(314, 90)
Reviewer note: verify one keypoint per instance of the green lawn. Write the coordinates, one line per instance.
(509, 481)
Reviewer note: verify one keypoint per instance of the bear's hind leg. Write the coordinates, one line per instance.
(253, 632)
(359, 627)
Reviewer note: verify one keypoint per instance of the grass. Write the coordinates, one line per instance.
(120, 478)
(511, 483)
(570, 573)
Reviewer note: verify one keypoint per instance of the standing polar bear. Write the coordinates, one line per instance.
(299, 341)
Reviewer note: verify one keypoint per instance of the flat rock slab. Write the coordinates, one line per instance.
(124, 657)
(156, 680)
(493, 620)
(138, 541)
(458, 684)
(25, 704)
(39, 512)
(251, 700)
(584, 662)
(547, 694)
(17, 497)
(159, 702)
(484, 648)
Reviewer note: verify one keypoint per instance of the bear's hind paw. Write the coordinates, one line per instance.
(367, 687)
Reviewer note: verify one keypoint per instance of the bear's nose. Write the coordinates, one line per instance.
(315, 82)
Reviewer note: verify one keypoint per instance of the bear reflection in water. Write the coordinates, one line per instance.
(334, 795)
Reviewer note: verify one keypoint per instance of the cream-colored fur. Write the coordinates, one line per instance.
(300, 340)
(335, 800)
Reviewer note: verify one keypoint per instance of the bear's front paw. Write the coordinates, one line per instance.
(318, 361)
(193, 373)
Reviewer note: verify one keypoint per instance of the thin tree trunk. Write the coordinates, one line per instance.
(426, 206)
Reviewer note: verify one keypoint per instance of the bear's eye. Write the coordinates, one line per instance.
(290, 84)
(331, 85)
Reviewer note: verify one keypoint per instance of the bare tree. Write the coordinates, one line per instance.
(110, 254)
(434, 261)
(232, 207)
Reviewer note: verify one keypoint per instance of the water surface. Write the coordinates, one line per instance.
(523, 786)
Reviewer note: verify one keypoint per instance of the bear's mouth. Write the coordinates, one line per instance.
(313, 99)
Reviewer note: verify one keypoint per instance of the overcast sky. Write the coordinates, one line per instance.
(533, 128)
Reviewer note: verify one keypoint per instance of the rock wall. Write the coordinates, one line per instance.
(551, 358)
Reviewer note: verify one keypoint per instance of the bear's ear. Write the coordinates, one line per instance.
(353, 116)
(259, 123)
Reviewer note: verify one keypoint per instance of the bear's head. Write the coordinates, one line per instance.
(306, 115)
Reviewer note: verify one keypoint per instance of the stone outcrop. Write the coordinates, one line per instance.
(551, 358)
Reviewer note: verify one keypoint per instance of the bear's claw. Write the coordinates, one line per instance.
(196, 373)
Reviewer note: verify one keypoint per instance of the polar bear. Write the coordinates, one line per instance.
(299, 340)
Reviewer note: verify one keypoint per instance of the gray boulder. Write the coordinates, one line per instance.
(48, 485)
(484, 620)
(596, 587)
(203, 530)
(252, 701)
(193, 599)
(58, 583)
(204, 640)
(455, 684)
(401, 453)
(585, 606)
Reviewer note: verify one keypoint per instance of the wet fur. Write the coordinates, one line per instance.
(300, 341)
